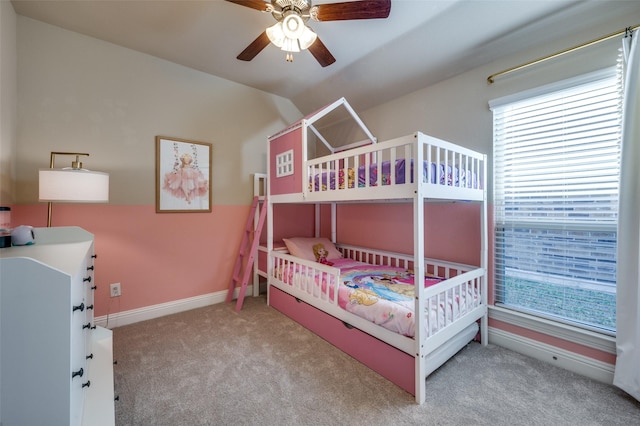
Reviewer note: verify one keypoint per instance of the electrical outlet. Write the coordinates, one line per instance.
(115, 289)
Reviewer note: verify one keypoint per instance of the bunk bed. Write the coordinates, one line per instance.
(414, 169)
(260, 257)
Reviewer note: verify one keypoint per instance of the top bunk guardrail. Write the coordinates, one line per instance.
(387, 170)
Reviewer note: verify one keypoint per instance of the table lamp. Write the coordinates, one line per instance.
(72, 184)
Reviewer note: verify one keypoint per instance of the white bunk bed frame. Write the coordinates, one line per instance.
(431, 346)
(260, 191)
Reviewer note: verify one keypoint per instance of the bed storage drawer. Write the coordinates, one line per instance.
(391, 363)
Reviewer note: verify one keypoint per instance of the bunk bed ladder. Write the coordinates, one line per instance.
(248, 248)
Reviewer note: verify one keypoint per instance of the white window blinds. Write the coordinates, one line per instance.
(556, 167)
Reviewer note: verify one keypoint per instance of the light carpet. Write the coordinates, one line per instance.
(213, 366)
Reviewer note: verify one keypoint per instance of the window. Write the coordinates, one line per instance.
(556, 172)
(284, 164)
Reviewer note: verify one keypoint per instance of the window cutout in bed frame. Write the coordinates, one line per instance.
(284, 163)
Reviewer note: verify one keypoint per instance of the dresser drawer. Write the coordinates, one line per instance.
(391, 363)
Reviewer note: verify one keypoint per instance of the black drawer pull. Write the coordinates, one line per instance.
(89, 307)
(87, 325)
(80, 307)
(87, 279)
(349, 326)
(93, 327)
(90, 268)
(90, 356)
(86, 385)
(77, 373)
(94, 287)
(93, 256)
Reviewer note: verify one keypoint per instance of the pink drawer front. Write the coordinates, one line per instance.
(391, 363)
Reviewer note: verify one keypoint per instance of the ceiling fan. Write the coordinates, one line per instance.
(290, 32)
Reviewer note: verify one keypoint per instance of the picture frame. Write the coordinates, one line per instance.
(183, 175)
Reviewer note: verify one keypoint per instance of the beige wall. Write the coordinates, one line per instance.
(80, 94)
(77, 93)
(8, 100)
(457, 109)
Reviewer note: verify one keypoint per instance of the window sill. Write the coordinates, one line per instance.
(590, 339)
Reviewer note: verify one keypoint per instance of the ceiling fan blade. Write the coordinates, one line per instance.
(253, 4)
(363, 9)
(321, 53)
(255, 47)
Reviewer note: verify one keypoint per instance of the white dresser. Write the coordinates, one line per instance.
(56, 366)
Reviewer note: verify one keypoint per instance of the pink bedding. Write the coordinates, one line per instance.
(383, 295)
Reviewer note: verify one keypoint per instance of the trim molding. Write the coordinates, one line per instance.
(590, 339)
(132, 316)
(571, 361)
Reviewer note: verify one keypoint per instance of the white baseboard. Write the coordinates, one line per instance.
(120, 319)
(571, 361)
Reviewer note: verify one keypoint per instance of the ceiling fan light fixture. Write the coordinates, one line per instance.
(290, 45)
(292, 15)
(275, 34)
(307, 38)
(293, 26)
(291, 35)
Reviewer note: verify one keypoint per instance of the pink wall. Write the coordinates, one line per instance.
(452, 231)
(160, 258)
(291, 220)
(156, 257)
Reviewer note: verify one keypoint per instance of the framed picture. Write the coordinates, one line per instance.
(183, 175)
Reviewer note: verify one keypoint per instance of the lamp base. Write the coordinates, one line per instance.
(5, 241)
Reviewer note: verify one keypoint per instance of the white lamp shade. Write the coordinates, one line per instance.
(275, 34)
(307, 38)
(73, 186)
(291, 41)
(290, 45)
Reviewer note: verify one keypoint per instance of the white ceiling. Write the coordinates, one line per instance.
(422, 41)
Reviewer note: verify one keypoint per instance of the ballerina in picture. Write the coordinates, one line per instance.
(186, 181)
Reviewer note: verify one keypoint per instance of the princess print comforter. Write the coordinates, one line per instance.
(384, 295)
